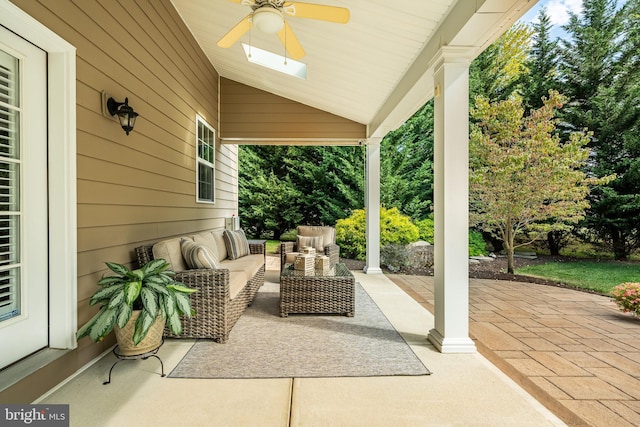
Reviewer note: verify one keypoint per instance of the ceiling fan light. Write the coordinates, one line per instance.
(268, 20)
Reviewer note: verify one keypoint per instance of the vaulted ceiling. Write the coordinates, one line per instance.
(376, 70)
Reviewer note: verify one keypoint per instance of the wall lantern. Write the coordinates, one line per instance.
(124, 112)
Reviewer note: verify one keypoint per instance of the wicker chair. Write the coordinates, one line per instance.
(215, 312)
(331, 249)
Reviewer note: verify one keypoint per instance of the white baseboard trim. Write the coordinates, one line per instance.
(74, 375)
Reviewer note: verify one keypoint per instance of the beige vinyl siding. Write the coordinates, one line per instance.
(250, 113)
(139, 188)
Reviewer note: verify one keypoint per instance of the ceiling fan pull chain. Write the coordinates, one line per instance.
(285, 43)
(250, 43)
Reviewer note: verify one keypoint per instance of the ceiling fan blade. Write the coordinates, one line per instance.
(336, 14)
(235, 33)
(290, 42)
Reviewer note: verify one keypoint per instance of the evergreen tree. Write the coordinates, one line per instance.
(281, 187)
(331, 180)
(602, 77)
(267, 197)
(406, 166)
(543, 76)
(542, 64)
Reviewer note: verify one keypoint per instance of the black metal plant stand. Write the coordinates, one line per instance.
(143, 356)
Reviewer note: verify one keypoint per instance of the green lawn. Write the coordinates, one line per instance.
(272, 246)
(597, 276)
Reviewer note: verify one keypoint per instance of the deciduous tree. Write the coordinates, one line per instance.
(497, 72)
(524, 181)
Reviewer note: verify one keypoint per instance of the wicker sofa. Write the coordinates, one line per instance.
(323, 238)
(223, 293)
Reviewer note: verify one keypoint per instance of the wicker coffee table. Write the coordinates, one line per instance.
(332, 292)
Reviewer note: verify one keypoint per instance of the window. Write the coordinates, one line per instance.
(9, 187)
(206, 161)
(275, 62)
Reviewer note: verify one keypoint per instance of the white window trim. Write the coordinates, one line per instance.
(199, 120)
(63, 251)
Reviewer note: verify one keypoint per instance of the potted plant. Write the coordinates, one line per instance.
(136, 301)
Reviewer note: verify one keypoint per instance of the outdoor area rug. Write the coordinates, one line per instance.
(264, 345)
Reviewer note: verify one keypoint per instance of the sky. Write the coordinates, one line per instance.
(558, 10)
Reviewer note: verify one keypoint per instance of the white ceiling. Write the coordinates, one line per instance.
(376, 70)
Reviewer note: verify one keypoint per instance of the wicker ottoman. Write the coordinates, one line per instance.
(328, 292)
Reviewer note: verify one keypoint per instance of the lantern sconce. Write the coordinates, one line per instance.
(125, 113)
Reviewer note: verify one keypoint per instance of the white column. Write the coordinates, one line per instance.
(372, 205)
(451, 203)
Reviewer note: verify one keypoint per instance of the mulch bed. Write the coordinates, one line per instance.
(495, 270)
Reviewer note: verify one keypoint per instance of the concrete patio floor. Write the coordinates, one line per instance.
(464, 389)
(574, 352)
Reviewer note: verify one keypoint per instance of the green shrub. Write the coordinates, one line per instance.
(395, 228)
(425, 227)
(289, 236)
(350, 235)
(477, 245)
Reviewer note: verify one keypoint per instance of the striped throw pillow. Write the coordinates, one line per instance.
(197, 256)
(315, 242)
(236, 243)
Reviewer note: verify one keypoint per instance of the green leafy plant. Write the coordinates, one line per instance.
(395, 228)
(627, 296)
(477, 245)
(150, 289)
(289, 236)
(426, 227)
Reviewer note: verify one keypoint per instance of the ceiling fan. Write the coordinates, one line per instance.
(268, 16)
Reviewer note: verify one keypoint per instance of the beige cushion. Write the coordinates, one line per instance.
(237, 281)
(290, 257)
(316, 242)
(206, 239)
(170, 251)
(220, 245)
(328, 233)
(249, 264)
(198, 256)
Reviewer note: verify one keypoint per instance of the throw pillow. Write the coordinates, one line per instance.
(197, 255)
(315, 242)
(236, 243)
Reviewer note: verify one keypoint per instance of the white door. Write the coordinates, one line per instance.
(24, 268)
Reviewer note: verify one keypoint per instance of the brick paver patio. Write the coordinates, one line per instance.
(575, 352)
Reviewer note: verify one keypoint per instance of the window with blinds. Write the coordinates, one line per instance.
(206, 158)
(9, 187)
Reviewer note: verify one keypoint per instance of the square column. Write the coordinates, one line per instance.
(451, 203)
(372, 206)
